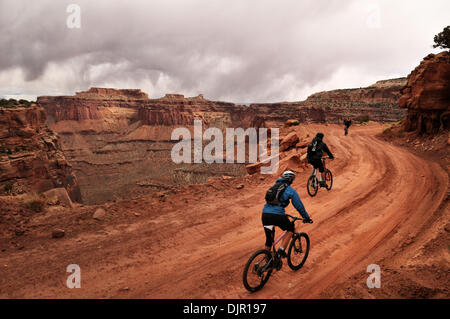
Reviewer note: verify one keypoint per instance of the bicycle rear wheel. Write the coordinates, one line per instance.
(257, 270)
(298, 251)
(329, 179)
(312, 186)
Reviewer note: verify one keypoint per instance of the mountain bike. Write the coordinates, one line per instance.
(313, 182)
(346, 130)
(260, 265)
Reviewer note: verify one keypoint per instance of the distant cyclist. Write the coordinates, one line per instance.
(314, 156)
(347, 123)
(273, 214)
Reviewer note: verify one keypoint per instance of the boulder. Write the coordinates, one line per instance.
(253, 168)
(58, 233)
(99, 214)
(289, 141)
(58, 196)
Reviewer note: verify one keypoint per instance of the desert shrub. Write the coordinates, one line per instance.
(34, 202)
(12, 103)
(8, 188)
(364, 118)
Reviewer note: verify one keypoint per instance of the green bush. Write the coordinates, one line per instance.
(442, 39)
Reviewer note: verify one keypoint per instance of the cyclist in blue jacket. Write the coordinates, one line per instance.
(275, 215)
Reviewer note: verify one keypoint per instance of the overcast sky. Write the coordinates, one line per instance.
(232, 50)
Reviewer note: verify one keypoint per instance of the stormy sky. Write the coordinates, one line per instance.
(234, 50)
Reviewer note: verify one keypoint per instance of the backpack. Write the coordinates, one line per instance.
(274, 193)
(314, 150)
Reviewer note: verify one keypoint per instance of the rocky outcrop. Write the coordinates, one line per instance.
(426, 96)
(378, 102)
(31, 159)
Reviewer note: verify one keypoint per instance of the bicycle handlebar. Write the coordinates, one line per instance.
(294, 218)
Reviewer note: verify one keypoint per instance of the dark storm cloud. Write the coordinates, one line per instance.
(233, 50)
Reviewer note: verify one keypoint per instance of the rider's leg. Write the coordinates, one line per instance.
(322, 173)
(286, 239)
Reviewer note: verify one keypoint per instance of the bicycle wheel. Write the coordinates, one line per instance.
(298, 251)
(312, 185)
(257, 270)
(329, 179)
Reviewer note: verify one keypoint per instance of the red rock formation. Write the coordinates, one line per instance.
(427, 95)
(378, 101)
(125, 137)
(31, 159)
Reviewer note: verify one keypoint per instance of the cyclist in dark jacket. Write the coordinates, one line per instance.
(315, 156)
(274, 215)
(347, 123)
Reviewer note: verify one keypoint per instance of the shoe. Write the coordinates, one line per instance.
(323, 184)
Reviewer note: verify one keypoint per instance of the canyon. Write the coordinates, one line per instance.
(111, 149)
(119, 141)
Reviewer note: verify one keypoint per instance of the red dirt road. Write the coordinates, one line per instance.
(387, 207)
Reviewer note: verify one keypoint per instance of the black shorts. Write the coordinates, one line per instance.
(317, 164)
(281, 221)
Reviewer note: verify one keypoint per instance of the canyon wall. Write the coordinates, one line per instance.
(378, 102)
(31, 158)
(119, 141)
(427, 95)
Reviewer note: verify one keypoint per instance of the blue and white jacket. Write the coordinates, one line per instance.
(289, 194)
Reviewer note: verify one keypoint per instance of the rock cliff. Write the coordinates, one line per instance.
(378, 102)
(124, 137)
(426, 96)
(31, 158)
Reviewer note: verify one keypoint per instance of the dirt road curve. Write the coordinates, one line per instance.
(387, 207)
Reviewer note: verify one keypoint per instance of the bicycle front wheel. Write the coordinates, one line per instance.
(298, 251)
(312, 186)
(329, 179)
(257, 270)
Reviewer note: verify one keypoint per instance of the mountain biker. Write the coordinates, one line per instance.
(347, 123)
(314, 156)
(274, 215)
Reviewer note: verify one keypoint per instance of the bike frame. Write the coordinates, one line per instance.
(314, 172)
(281, 237)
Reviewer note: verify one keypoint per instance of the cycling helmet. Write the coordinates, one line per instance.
(289, 175)
(319, 136)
